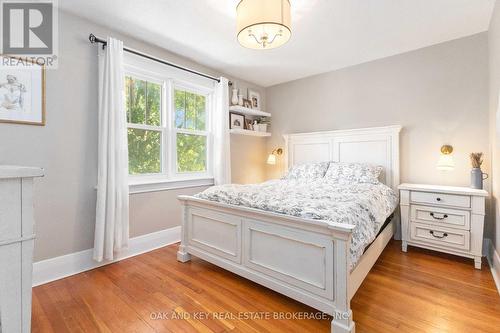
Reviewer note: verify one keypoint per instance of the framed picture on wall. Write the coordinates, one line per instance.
(248, 124)
(236, 121)
(254, 98)
(22, 91)
(247, 103)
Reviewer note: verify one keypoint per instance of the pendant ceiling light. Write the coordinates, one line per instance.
(263, 24)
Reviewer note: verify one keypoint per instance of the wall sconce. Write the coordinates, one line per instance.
(446, 162)
(271, 159)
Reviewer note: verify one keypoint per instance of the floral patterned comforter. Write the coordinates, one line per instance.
(364, 205)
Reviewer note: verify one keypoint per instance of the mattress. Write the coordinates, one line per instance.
(364, 205)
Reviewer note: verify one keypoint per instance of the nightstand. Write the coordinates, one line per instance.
(443, 218)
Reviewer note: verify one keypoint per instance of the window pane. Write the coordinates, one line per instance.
(143, 101)
(190, 110)
(200, 112)
(144, 151)
(191, 153)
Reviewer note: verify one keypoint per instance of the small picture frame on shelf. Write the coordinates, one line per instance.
(254, 98)
(236, 121)
(248, 124)
(247, 103)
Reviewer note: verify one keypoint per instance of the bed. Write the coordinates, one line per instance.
(303, 254)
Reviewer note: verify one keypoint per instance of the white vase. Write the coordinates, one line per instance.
(234, 99)
(240, 100)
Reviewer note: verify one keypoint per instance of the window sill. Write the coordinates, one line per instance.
(155, 185)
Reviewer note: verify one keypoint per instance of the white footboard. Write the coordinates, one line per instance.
(307, 260)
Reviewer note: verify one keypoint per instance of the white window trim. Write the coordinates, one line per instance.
(144, 185)
(169, 178)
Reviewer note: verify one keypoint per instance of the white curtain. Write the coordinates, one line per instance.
(222, 149)
(112, 214)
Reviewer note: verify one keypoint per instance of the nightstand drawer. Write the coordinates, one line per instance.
(439, 236)
(441, 199)
(445, 217)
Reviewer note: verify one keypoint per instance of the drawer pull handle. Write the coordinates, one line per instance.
(437, 236)
(439, 218)
(438, 199)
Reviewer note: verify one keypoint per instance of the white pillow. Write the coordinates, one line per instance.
(343, 172)
(307, 171)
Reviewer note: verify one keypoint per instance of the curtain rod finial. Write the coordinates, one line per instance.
(92, 38)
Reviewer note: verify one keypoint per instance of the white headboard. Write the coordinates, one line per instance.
(376, 145)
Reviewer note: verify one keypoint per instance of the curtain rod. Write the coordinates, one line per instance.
(93, 39)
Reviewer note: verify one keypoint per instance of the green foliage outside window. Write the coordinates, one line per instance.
(191, 153)
(144, 151)
(143, 103)
(143, 100)
(190, 114)
(189, 110)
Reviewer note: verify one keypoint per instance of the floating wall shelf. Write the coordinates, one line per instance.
(248, 132)
(248, 111)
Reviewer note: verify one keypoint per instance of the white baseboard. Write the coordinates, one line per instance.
(60, 267)
(494, 262)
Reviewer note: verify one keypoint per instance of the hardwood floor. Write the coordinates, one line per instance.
(418, 291)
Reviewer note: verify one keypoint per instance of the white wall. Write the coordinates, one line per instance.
(494, 56)
(439, 94)
(248, 156)
(67, 148)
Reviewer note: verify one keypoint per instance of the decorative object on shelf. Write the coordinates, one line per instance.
(237, 121)
(234, 99)
(254, 98)
(271, 159)
(247, 103)
(22, 92)
(263, 123)
(240, 100)
(476, 175)
(263, 24)
(248, 124)
(446, 162)
(255, 126)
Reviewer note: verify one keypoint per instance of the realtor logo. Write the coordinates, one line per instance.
(29, 30)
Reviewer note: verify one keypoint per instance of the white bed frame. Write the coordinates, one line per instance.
(307, 260)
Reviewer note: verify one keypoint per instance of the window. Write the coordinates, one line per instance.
(191, 135)
(143, 106)
(169, 135)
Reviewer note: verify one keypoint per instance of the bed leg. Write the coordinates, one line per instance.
(343, 325)
(182, 254)
(342, 317)
(404, 246)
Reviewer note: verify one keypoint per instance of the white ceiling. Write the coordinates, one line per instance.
(326, 34)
